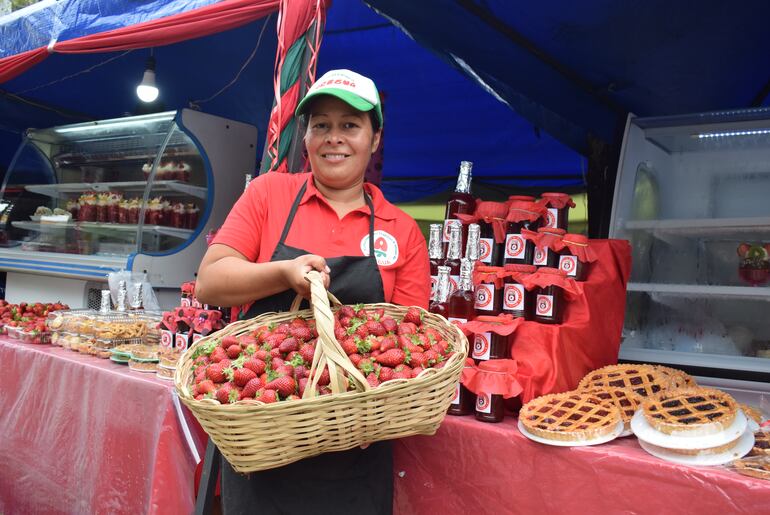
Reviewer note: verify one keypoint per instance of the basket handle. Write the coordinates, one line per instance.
(328, 352)
(299, 298)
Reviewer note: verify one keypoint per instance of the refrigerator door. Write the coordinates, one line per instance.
(692, 198)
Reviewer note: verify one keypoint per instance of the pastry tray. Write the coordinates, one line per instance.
(577, 443)
(742, 447)
(644, 431)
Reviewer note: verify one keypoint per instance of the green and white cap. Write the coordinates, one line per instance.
(350, 87)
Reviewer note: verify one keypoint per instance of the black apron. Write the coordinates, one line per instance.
(354, 481)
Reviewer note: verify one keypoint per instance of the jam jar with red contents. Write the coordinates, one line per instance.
(544, 256)
(464, 401)
(549, 300)
(489, 345)
(569, 257)
(491, 215)
(440, 303)
(558, 205)
(517, 300)
(522, 214)
(488, 289)
(462, 302)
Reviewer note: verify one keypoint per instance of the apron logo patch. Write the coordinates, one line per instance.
(385, 248)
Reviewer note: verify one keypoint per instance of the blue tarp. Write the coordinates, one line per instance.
(515, 87)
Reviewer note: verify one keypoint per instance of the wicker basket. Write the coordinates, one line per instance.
(254, 436)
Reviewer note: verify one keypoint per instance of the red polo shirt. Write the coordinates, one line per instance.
(256, 221)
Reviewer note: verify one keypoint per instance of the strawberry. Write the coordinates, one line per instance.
(387, 343)
(388, 324)
(413, 315)
(360, 311)
(285, 385)
(302, 383)
(225, 363)
(206, 386)
(431, 357)
(392, 358)
(324, 379)
(218, 354)
(375, 328)
(416, 371)
(216, 373)
(251, 388)
(276, 363)
(261, 354)
(268, 396)
(418, 359)
(340, 333)
(285, 369)
(349, 345)
(199, 369)
(275, 339)
(374, 343)
(355, 358)
(301, 333)
(241, 376)
(307, 352)
(255, 364)
(199, 397)
(406, 328)
(361, 331)
(346, 311)
(282, 329)
(288, 345)
(275, 353)
(372, 379)
(402, 372)
(293, 397)
(300, 371)
(386, 374)
(366, 366)
(227, 393)
(233, 351)
(227, 341)
(200, 376)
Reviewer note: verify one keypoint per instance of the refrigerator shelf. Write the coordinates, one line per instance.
(703, 290)
(165, 187)
(755, 227)
(105, 229)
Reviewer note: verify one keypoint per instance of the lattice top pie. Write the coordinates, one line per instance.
(758, 467)
(624, 399)
(677, 378)
(570, 416)
(644, 380)
(761, 444)
(690, 410)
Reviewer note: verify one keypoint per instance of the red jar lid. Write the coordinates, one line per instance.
(526, 269)
(526, 198)
(552, 230)
(485, 269)
(486, 208)
(580, 239)
(551, 270)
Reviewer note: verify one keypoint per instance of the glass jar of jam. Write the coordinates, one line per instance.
(522, 214)
(464, 401)
(489, 345)
(462, 302)
(549, 308)
(543, 253)
(569, 257)
(517, 300)
(488, 290)
(491, 216)
(558, 205)
(490, 407)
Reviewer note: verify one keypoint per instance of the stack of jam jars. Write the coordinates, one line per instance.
(523, 213)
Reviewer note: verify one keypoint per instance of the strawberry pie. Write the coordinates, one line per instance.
(572, 416)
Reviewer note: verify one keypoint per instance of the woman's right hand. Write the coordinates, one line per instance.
(296, 269)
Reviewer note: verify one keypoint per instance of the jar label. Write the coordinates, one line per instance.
(514, 246)
(482, 344)
(485, 297)
(485, 250)
(196, 337)
(568, 264)
(181, 340)
(513, 297)
(196, 303)
(541, 257)
(166, 338)
(456, 398)
(483, 403)
(448, 227)
(545, 305)
(454, 284)
(461, 320)
(553, 217)
(185, 302)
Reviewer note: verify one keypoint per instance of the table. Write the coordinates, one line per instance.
(479, 468)
(79, 434)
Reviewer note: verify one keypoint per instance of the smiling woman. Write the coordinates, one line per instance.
(367, 249)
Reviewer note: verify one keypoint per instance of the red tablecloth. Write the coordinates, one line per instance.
(477, 467)
(79, 434)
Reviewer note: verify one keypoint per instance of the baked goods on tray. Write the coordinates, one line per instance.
(761, 444)
(624, 399)
(757, 466)
(644, 380)
(690, 410)
(570, 416)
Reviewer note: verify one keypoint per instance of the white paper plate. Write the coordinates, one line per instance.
(559, 443)
(644, 431)
(742, 447)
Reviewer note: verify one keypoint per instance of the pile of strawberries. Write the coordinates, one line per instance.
(272, 362)
(28, 317)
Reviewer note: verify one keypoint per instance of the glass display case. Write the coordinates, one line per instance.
(692, 198)
(137, 193)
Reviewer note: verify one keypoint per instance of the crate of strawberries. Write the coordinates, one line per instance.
(286, 386)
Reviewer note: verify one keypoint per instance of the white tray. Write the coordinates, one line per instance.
(560, 443)
(742, 447)
(644, 431)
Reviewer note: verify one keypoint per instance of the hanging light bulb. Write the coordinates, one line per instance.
(147, 91)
